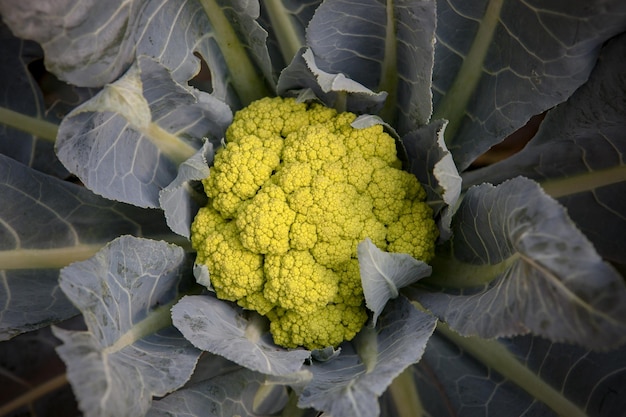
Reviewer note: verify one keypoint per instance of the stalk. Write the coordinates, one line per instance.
(289, 41)
(32, 125)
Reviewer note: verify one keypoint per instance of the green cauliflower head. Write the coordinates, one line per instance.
(292, 193)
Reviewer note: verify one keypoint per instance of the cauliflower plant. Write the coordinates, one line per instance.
(292, 193)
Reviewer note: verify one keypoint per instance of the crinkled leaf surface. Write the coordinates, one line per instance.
(45, 224)
(383, 45)
(335, 90)
(226, 395)
(546, 276)
(131, 351)
(499, 62)
(223, 329)
(432, 164)
(578, 155)
(383, 274)
(184, 196)
(350, 384)
(127, 142)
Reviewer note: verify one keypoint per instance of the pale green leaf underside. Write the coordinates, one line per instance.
(127, 142)
(547, 277)
(131, 351)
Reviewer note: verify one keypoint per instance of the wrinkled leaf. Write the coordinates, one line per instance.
(546, 276)
(127, 142)
(226, 395)
(432, 164)
(499, 62)
(218, 327)
(45, 224)
(335, 90)
(384, 273)
(383, 45)
(184, 196)
(131, 351)
(350, 384)
(578, 155)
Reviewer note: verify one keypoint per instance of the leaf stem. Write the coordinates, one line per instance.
(495, 356)
(389, 74)
(449, 272)
(34, 394)
(405, 395)
(586, 181)
(46, 258)
(453, 105)
(29, 124)
(245, 77)
(289, 41)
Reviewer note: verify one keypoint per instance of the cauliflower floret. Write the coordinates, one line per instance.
(328, 326)
(414, 232)
(295, 281)
(235, 271)
(264, 221)
(297, 188)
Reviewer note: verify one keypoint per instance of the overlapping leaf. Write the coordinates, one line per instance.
(432, 164)
(499, 62)
(546, 277)
(350, 384)
(45, 224)
(579, 153)
(231, 394)
(385, 46)
(223, 329)
(383, 274)
(127, 142)
(131, 351)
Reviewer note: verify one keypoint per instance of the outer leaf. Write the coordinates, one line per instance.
(335, 90)
(432, 164)
(547, 278)
(350, 384)
(152, 124)
(384, 45)
(45, 224)
(220, 328)
(457, 384)
(499, 62)
(181, 200)
(227, 395)
(131, 351)
(578, 155)
(31, 140)
(384, 273)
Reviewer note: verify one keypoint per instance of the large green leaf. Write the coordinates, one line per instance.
(127, 142)
(131, 351)
(499, 62)
(45, 224)
(384, 45)
(525, 268)
(579, 155)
